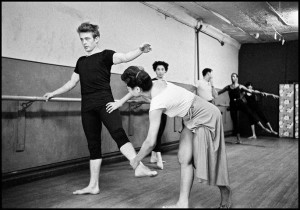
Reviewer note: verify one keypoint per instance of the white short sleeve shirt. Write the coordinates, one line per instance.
(204, 90)
(176, 100)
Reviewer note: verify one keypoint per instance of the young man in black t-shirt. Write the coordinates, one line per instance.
(93, 71)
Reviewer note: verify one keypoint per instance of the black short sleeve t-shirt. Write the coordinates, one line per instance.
(94, 73)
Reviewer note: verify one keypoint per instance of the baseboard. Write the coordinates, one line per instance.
(37, 173)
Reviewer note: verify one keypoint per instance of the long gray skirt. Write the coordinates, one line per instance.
(209, 155)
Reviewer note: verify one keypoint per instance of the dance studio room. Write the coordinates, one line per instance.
(150, 104)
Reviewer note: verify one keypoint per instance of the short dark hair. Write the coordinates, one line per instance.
(88, 27)
(157, 63)
(133, 76)
(235, 75)
(205, 71)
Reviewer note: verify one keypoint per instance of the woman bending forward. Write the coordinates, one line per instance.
(201, 145)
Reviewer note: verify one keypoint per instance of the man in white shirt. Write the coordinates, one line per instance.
(205, 86)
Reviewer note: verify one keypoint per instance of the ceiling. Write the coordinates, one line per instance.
(245, 22)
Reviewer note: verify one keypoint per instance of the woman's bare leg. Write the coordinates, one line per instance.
(263, 127)
(93, 187)
(271, 129)
(153, 158)
(129, 152)
(185, 154)
(253, 132)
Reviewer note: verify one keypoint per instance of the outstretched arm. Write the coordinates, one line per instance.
(65, 88)
(222, 91)
(259, 92)
(111, 106)
(270, 94)
(126, 57)
(150, 142)
(251, 91)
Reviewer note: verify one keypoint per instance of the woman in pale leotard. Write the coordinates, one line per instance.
(201, 145)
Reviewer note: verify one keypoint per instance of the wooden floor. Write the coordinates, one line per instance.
(263, 174)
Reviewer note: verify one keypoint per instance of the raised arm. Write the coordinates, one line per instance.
(150, 142)
(126, 57)
(65, 88)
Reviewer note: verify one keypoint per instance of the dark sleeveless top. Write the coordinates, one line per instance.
(234, 94)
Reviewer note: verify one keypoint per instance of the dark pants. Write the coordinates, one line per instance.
(92, 125)
(257, 110)
(162, 126)
(235, 107)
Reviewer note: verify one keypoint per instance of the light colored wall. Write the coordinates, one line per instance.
(223, 60)
(46, 32)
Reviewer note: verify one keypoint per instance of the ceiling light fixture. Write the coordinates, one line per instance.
(280, 37)
(256, 35)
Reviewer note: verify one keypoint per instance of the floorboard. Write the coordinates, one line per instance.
(263, 174)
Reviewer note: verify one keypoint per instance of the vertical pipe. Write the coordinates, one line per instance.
(197, 52)
(197, 30)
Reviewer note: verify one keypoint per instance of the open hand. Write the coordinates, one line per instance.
(111, 106)
(145, 47)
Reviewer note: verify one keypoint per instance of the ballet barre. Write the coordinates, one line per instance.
(36, 98)
(25, 101)
(31, 99)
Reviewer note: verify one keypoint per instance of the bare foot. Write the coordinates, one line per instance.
(159, 161)
(153, 158)
(252, 137)
(160, 164)
(142, 171)
(226, 197)
(87, 190)
(238, 141)
(177, 205)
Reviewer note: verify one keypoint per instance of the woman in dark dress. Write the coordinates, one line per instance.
(256, 108)
(238, 103)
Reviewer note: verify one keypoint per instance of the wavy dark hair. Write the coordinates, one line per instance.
(157, 63)
(133, 76)
(88, 27)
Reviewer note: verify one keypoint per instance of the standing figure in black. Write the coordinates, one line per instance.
(237, 103)
(93, 71)
(256, 108)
